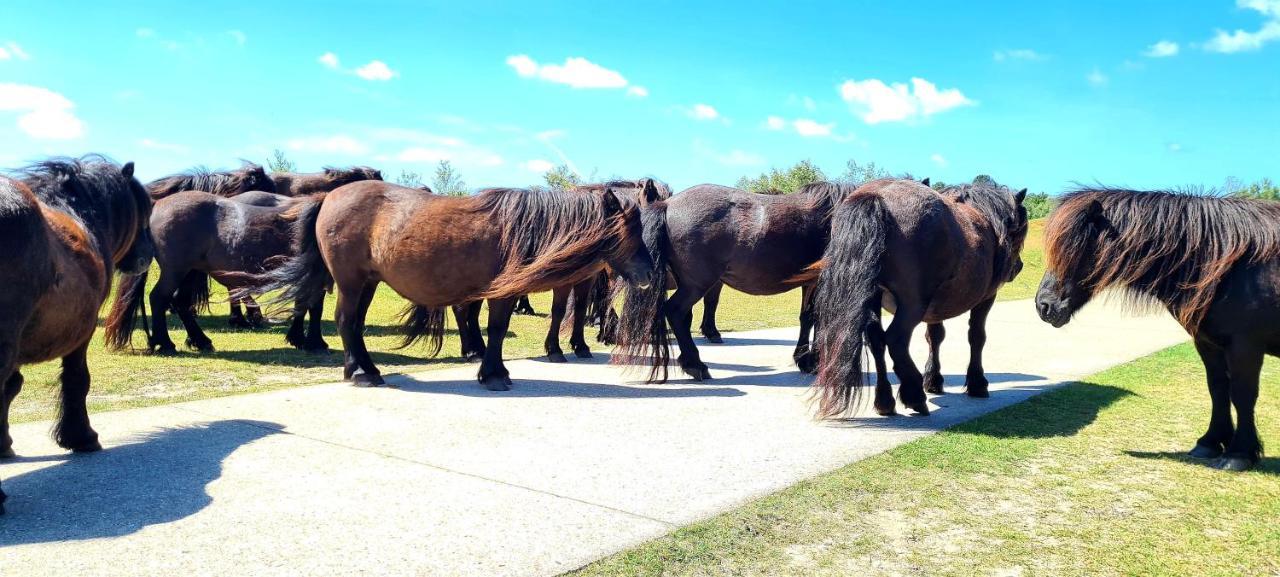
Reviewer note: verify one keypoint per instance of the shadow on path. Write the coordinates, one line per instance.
(534, 388)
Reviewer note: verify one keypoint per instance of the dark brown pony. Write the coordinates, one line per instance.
(66, 227)
(199, 235)
(307, 184)
(226, 183)
(438, 251)
(1213, 263)
(926, 257)
(755, 243)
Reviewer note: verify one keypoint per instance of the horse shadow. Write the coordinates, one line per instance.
(157, 478)
(730, 340)
(332, 358)
(537, 388)
(1267, 465)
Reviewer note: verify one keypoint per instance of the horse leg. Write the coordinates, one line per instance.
(805, 356)
(884, 403)
(253, 313)
(975, 378)
(493, 374)
(184, 306)
(898, 341)
(315, 335)
(10, 386)
(236, 318)
(1214, 441)
(559, 298)
(469, 331)
(72, 430)
(1244, 362)
(524, 307)
(577, 340)
(353, 303)
(711, 302)
(161, 298)
(297, 335)
(679, 310)
(934, 333)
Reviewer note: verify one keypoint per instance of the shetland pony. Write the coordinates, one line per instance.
(1213, 263)
(306, 184)
(226, 183)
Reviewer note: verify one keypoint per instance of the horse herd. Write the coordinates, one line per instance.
(68, 225)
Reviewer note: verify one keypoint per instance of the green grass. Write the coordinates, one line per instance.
(1088, 479)
(248, 361)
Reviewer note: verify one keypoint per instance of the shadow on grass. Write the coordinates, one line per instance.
(1268, 465)
(1058, 413)
(159, 478)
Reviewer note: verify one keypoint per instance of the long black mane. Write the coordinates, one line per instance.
(222, 183)
(824, 195)
(83, 187)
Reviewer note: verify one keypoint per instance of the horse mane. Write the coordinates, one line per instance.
(1171, 246)
(548, 236)
(222, 183)
(351, 174)
(824, 195)
(664, 190)
(82, 187)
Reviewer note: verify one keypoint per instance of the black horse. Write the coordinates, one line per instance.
(1214, 263)
(199, 235)
(66, 227)
(309, 183)
(226, 183)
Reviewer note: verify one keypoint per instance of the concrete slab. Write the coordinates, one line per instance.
(439, 476)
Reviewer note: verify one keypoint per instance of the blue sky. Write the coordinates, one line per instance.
(1038, 94)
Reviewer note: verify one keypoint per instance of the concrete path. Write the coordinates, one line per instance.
(439, 477)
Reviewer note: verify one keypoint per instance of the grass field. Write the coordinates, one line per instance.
(1088, 479)
(248, 361)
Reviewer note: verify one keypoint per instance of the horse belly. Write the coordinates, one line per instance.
(65, 317)
(439, 274)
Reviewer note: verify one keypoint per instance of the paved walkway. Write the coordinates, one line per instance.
(442, 477)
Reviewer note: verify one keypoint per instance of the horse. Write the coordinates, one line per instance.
(224, 183)
(755, 243)
(1213, 263)
(926, 256)
(67, 225)
(438, 251)
(199, 235)
(307, 184)
(588, 297)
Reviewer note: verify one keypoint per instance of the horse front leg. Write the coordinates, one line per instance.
(679, 312)
(934, 333)
(884, 403)
(975, 377)
(184, 306)
(578, 340)
(353, 304)
(236, 317)
(10, 386)
(559, 300)
(805, 355)
(72, 431)
(161, 298)
(1214, 441)
(1244, 365)
(253, 313)
(315, 329)
(711, 303)
(493, 373)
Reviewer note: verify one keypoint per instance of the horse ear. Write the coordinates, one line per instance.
(1021, 196)
(1094, 209)
(925, 181)
(610, 201)
(648, 192)
(127, 169)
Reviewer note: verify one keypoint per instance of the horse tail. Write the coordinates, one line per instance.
(196, 287)
(303, 278)
(599, 301)
(425, 324)
(642, 328)
(123, 317)
(848, 283)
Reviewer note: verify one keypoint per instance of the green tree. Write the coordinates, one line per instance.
(783, 181)
(409, 178)
(1038, 204)
(1263, 189)
(447, 181)
(562, 177)
(280, 163)
(857, 174)
(985, 179)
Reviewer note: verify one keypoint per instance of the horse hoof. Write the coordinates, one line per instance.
(556, 358)
(886, 411)
(1203, 452)
(90, 446)
(7, 453)
(473, 357)
(165, 350)
(201, 346)
(317, 348)
(238, 323)
(934, 390)
(714, 339)
(363, 379)
(582, 353)
(921, 409)
(698, 373)
(977, 393)
(496, 383)
(1234, 464)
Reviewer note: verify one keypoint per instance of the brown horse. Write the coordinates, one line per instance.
(65, 228)
(438, 251)
(1214, 263)
(307, 184)
(197, 236)
(223, 183)
(926, 257)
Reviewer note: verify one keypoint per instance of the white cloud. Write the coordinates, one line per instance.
(329, 60)
(775, 123)
(12, 50)
(576, 72)
(1245, 41)
(703, 112)
(1017, 54)
(807, 128)
(43, 113)
(238, 36)
(538, 165)
(939, 160)
(1097, 78)
(432, 155)
(335, 144)
(145, 32)
(163, 146)
(1162, 49)
(875, 102)
(638, 91)
(426, 147)
(734, 157)
(376, 70)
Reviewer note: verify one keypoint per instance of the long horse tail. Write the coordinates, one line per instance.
(847, 285)
(642, 328)
(302, 278)
(130, 299)
(196, 288)
(423, 324)
(599, 301)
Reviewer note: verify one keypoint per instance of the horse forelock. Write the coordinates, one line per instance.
(1173, 246)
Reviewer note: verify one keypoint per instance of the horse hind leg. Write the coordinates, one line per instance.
(72, 431)
(184, 304)
(711, 303)
(1244, 364)
(253, 313)
(805, 355)
(10, 386)
(975, 377)
(353, 305)
(898, 341)
(236, 317)
(1214, 441)
(315, 335)
(934, 335)
(493, 372)
(578, 340)
(884, 405)
(560, 297)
